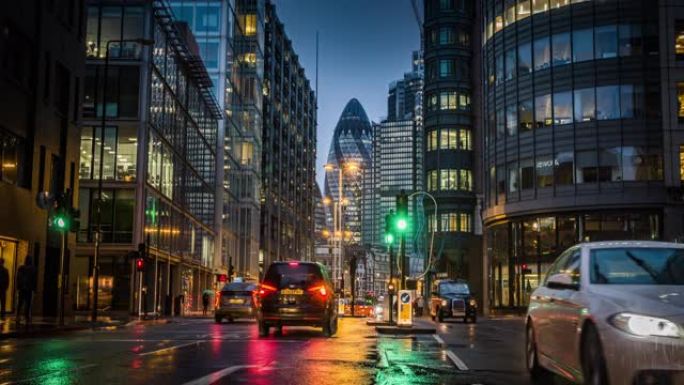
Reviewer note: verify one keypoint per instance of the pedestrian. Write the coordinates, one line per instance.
(26, 285)
(4, 285)
(205, 303)
(420, 302)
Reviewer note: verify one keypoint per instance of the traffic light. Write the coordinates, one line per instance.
(140, 264)
(401, 220)
(389, 232)
(60, 215)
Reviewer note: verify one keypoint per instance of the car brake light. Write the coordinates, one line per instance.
(320, 289)
(264, 288)
(293, 264)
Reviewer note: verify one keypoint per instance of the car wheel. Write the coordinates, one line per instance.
(263, 329)
(538, 374)
(217, 319)
(593, 364)
(440, 316)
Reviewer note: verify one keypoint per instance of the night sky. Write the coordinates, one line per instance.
(364, 45)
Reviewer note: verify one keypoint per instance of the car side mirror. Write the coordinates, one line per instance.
(561, 281)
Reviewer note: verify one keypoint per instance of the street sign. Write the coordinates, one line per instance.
(405, 304)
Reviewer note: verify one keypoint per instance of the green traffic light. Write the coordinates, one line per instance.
(389, 239)
(402, 224)
(60, 223)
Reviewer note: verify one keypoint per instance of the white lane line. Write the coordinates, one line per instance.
(170, 348)
(51, 374)
(219, 374)
(457, 361)
(439, 339)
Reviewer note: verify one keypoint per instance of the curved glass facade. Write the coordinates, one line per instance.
(573, 133)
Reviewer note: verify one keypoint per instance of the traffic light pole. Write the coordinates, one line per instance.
(60, 280)
(391, 276)
(402, 256)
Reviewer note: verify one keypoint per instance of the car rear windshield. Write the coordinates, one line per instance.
(303, 275)
(238, 287)
(453, 288)
(637, 266)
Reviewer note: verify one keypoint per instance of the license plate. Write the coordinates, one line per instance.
(292, 292)
(235, 301)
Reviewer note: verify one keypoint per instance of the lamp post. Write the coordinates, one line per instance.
(98, 206)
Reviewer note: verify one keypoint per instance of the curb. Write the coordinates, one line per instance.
(34, 333)
(404, 330)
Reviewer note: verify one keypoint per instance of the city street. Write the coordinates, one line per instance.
(198, 351)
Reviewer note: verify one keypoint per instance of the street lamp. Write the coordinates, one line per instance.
(103, 123)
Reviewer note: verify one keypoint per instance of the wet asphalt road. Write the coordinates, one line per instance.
(197, 351)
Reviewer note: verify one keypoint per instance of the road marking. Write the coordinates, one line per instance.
(51, 374)
(439, 339)
(219, 374)
(170, 348)
(457, 361)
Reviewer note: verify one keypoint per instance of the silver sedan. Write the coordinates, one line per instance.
(610, 313)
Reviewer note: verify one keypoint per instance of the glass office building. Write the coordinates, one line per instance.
(582, 138)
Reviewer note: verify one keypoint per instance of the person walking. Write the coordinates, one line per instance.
(4, 285)
(205, 303)
(26, 285)
(420, 303)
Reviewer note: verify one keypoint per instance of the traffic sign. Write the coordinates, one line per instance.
(405, 304)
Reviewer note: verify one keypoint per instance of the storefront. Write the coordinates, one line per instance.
(13, 253)
(520, 251)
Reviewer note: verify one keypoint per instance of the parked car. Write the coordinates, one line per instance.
(453, 299)
(298, 294)
(610, 313)
(235, 301)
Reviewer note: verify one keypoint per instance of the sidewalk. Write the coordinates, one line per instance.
(421, 325)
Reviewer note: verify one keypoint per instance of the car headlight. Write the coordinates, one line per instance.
(643, 326)
(445, 302)
(378, 309)
(472, 302)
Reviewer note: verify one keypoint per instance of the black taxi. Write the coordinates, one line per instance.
(452, 298)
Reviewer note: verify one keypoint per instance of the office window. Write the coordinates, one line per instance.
(210, 54)
(629, 36)
(446, 5)
(432, 180)
(605, 42)
(562, 107)
(627, 101)
(680, 102)
(185, 13)
(500, 122)
(447, 68)
(126, 153)
(509, 12)
(525, 115)
(446, 36)
(642, 164)
(208, 18)
(513, 178)
(561, 48)
(523, 10)
(110, 29)
(540, 6)
(679, 39)
(681, 164)
(511, 119)
(582, 45)
(586, 167)
(524, 59)
(558, 3)
(463, 101)
(498, 23)
(432, 140)
(465, 180)
(542, 53)
(585, 105)
(448, 139)
(610, 169)
(464, 222)
(544, 171)
(448, 180)
(464, 139)
(607, 102)
(564, 168)
(510, 66)
(448, 100)
(543, 110)
(499, 74)
(526, 174)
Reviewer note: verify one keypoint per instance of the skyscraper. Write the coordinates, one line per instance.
(583, 109)
(451, 129)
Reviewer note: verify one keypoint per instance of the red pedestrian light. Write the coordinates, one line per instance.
(140, 264)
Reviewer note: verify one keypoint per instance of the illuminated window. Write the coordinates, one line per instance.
(246, 153)
(432, 178)
(465, 180)
(509, 14)
(680, 102)
(448, 139)
(249, 24)
(453, 222)
(464, 139)
(679, 39)
(681, 163)
(448, 180)
(432, 140)
(523, 9)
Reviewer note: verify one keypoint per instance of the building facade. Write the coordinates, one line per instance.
(42, 65)
(156, 158)
(451, 132)
(583, 134)
(289, 151)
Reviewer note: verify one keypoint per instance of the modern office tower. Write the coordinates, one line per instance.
(288, 151)
(405, 95)
(322, 243)
(212, 23)
(451, 128)
(583, 142)
(42, 64)
(155, 159)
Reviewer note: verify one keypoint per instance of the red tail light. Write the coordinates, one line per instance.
(265, 289)
(320, 290)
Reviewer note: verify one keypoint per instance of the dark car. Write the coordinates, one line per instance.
(453, 299)
(236, 301)
(296, 294)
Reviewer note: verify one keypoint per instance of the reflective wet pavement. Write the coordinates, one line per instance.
(197, 351)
